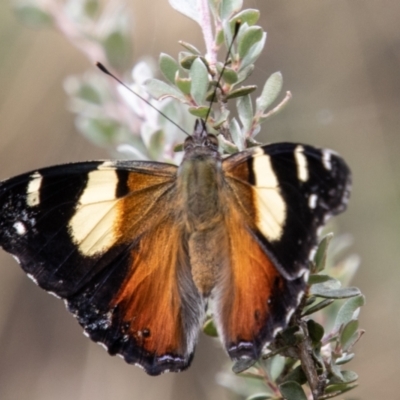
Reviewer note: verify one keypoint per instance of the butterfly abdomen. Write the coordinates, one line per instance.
(200, 180)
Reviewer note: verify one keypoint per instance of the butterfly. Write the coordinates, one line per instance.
(138, 250)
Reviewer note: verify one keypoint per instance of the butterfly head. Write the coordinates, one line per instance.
(201, 143)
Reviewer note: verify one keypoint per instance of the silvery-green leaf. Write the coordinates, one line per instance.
(168, 66)
(335, 370)
(33, 15)
(348, 377)
(230, 76)
(156, 144)
(160, 90)
(275, 366)
(242, 91)
(243, 364)
(249, 16)
(270, 92)
(319, 306)
(221, 118)
(91, 7)
(236, 134)
(259, 396)
(254, 52)
(251, 36)
(219, 37)
(101, 131)
(244, 73)
(89, 93)
(349, 334)
(297, 375)
(186, 7)
(245, 112)
(338, 389)
(183, 84)
(142, 71)
(321, 290)
(226, 146)
(345, 359)
(200, 112)
(192, 49)
(199, 76)
(292, 391)
(346, 312)
(320, 255)
(118, 48)
(318, 278)
(229, 7)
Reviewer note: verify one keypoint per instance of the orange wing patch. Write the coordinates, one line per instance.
(253, 299)
(150, 296)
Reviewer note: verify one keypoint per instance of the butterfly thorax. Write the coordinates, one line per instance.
(199, 180)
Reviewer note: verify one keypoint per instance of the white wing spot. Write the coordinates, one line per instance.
(91, 227)
(20, 228)
(16, 259)
(270, 206)
(32, 191)
(301, 163)
(326, 159)
(30, 276)
(276, 331)
(289, 314)
(312, 201)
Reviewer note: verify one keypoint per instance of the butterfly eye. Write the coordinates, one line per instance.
(212, 141)
(188, 143)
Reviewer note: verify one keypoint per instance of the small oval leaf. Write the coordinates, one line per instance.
(229, 7)
(200, 112)
(242, 91)
(249, 16)
(315, 330)
(242, 365)
(320, 255)
(253, 53)
(186, 7)
(259, 396)
(317, 307)
(192, 49)
(168, 66)
(292, 391)
(270, 92)
(321, 291)
(245, 111)
(183, 84)
(159, 90)
(209, 328)
(199, 76)
(349, 334)
(317, 278)
(251, 36)
(346, 312)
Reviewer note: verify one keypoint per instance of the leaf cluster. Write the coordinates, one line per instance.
(306, 359)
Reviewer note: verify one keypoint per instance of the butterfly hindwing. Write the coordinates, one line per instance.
(277, 197)
(104, 236)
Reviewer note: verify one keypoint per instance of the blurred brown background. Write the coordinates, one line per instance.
(340, 59)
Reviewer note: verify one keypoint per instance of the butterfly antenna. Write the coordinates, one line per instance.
(237, 27)
(107, 72)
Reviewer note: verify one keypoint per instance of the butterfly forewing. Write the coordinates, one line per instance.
(104, 237)
(277, 197)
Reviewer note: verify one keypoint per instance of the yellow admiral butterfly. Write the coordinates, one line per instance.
(136, 248)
